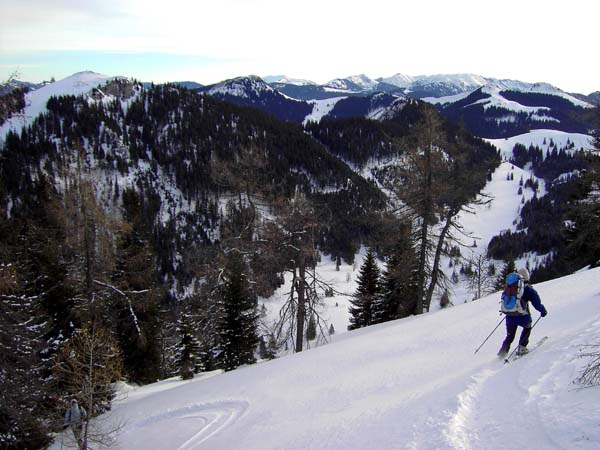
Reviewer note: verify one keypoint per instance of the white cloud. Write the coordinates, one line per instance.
(532, 40)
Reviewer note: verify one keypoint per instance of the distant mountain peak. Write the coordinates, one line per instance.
(241, 86)
(400, 80)
(287, 80)
(353, 83)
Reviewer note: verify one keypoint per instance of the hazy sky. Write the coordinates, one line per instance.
(529, 40)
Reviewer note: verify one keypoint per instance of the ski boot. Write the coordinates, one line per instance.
(522, 350)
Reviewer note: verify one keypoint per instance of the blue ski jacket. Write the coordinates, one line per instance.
(530, 295)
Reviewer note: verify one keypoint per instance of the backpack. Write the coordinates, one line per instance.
(511, 303)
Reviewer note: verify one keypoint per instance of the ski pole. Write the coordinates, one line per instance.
(515, 349)
(490, 335)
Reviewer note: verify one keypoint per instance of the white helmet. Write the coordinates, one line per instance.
(524, 273)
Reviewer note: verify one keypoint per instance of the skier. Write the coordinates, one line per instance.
(530, 295)
(74, 418)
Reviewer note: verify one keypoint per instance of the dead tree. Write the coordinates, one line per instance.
(89, 365)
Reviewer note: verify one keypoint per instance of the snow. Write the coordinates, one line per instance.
(400, 80)
(321, 108)
(287, 80)
(484, 222)
(447, 99)
(35, 101)
(469, 82)
(341, 84)
(537, 138)
(540, 88)
(413, 383)
(240, 86)
(363, 81)
(496, 100)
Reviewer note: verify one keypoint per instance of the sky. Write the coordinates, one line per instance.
(208, 41)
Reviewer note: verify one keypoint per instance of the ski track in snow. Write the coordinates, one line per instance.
(457, 432)
(193, 424)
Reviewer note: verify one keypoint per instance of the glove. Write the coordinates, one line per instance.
(544, 313)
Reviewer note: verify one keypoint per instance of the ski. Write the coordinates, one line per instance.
(536, 345)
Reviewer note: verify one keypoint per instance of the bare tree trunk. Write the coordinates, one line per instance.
(427, 211)
(301, 311)
(436, 260)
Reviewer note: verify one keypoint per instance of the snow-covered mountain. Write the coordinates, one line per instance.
(377, 106)
(355, 83)
(400, 80)
(413, 383)
(35, 101)
(254, 91)
(489, 108)
(286, 80)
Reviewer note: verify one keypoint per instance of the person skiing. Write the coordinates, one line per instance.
(74, 418)
(530, 295)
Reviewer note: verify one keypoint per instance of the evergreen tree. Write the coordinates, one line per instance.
(367, 292)
(311, 329)
(399, 282)
(239, 317)
(509, 267)
(188, 351)
(136, 296)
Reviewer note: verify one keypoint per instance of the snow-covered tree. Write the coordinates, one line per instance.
(188, 350)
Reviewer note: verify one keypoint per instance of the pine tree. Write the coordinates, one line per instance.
(311, 329)
(509, 267)
(399, 282)
(238, 325)
(136, 296)
(188, 351)
(361, 309)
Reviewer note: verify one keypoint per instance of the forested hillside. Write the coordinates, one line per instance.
(562, 224)
(156, 217)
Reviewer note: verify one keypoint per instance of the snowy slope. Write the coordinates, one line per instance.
(321, 108)
(354, 83)
(286, 80)
(409, 384)
(400, 80)
(543, 139)
(484, 222)
(35, 101)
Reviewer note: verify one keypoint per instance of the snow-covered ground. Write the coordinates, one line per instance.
(321, 108)
(543, 139)
(479, 226)
(409, 384)
(35, 101)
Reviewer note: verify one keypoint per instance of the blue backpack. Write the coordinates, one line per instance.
(511, 303)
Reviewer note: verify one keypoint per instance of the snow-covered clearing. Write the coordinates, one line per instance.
(485, 221)
(543, 139)
(321, 108)
(409, 384)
